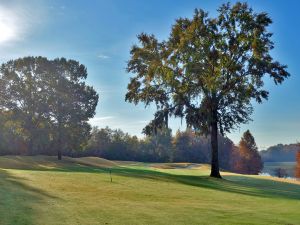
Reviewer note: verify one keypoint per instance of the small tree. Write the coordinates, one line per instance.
(297, 173)
(247, 159)
(207, 72)
(280, 172)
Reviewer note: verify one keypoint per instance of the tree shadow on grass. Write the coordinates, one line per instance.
(239, 184)
(18, 201)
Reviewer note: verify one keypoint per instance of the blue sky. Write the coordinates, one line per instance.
(99, 34)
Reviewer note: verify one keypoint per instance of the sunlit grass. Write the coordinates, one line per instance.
(41, 190)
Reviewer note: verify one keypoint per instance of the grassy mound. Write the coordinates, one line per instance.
(41, 190)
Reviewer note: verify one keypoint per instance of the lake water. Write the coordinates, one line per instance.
(269, 168)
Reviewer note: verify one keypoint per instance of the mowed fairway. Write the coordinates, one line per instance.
(40, 190)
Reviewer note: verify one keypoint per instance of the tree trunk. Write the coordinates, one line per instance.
(59, 154)
(59, 145)
(30, 128)
(30, 146)
(215, 171)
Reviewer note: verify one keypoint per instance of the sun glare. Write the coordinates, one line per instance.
(8, 26)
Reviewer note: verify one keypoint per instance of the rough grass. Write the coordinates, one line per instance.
(40, 190)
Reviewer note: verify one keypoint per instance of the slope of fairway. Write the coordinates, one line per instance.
(43, 191)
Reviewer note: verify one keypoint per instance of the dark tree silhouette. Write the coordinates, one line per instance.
(206, 72)
(280, 172)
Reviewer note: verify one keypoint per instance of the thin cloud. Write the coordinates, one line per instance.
(100, 119)
(143, 121)
(102, 56)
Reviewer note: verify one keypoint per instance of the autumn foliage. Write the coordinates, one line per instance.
(297, 173)
(246, 158)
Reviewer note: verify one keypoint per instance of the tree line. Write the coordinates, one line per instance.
(31, 128)
(280, 153)
(184, 146)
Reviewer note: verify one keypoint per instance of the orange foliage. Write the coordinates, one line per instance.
(246, 162)
(246, 158)
(297, 174)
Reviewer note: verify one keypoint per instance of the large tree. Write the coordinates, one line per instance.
(71, 103)
(207, 71)
(50, 99)
(22, 95)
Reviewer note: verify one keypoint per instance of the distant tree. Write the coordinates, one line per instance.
(159, 145)
(99, 141)
(207, 72)
(226, 151)
(189, 147)
(247, 159)
(119, 149)
(297, 173)
(113, 144)
(280, 153)
(280, 172)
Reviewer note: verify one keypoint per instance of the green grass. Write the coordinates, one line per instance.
(42, 191)
(269, 167)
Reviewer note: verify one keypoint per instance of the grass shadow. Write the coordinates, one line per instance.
(18, 201)
(239, 184)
